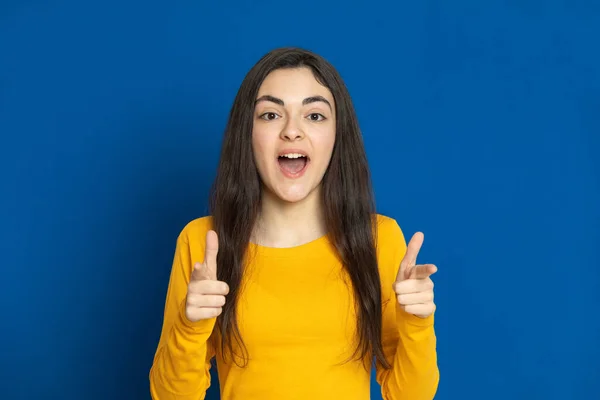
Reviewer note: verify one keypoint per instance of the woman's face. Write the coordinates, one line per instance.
(293, 133)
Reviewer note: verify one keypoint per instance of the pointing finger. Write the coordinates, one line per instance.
(200, 272)
(422, 271)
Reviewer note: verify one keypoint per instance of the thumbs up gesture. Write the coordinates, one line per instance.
(206, 295)
(413, 286)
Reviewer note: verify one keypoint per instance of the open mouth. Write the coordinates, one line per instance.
(293, 164)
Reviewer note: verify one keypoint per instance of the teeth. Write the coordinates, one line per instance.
(293, 155)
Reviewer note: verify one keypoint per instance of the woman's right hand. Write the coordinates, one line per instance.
(206, 295)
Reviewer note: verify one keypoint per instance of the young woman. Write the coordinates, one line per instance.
(293, 282)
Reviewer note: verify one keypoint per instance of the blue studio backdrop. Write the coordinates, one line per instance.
(481, 121)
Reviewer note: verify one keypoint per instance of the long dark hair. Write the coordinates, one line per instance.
(347, 200)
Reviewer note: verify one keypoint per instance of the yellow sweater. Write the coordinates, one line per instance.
(297, 321)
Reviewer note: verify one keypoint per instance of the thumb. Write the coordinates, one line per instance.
(210, 254)
(410, 257)
(207, 270)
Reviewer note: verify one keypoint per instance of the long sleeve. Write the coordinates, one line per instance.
(409, 342)
(181, 367)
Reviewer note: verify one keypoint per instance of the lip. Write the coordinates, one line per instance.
(297, 151)
(288, 174)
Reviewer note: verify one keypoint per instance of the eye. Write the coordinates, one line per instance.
(269, 116)
(316, 117)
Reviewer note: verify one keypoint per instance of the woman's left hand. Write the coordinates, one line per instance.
(413, 286)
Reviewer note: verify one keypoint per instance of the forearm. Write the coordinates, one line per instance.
(414, 374)
(181, 365)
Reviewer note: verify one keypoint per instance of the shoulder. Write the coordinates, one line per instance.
(195, 230)
(391, 247)
(390, 238)
(388, 230)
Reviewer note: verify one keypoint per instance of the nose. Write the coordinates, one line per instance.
(292, 131)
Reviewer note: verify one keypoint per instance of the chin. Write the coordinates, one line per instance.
(293, 194)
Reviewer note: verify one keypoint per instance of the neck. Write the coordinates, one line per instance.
(283, 224)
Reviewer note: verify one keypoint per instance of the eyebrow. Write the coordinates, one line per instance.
(308, 100)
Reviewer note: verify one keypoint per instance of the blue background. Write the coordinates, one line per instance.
(482, 126)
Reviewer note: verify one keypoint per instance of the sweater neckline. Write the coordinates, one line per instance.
(314, 247)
